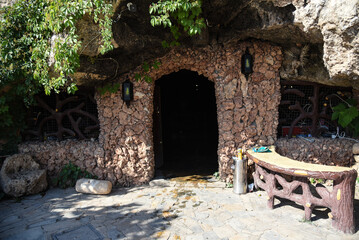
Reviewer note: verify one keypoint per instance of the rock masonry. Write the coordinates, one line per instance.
(247, 113)
(325, 151)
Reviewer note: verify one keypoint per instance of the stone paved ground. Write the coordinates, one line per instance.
(163, 210)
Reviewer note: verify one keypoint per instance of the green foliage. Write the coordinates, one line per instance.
(216, 175)
(186, 13)
(111, 88)
(316, 180)
(143, 76)
(28, 28)
(33, 35)
(347, 115)
(69, 174)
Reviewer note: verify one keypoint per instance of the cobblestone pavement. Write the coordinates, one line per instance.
(162, 210)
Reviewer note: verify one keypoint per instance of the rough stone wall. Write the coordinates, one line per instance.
(246, 109)
(325, 151)
(247, 112)
(53, 155)
(126, 136)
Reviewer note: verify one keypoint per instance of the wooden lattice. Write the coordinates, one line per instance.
(339, 200)
(316, 113)
(74, 114)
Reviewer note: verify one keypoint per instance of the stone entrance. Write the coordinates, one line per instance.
(247, 109)
(185, 129)
(247, 114)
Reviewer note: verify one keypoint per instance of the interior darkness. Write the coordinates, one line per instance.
(188, 122)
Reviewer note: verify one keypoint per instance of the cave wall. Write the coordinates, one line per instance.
(247, 112)
(320, 38)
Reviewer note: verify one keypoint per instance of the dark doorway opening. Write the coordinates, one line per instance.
(185, 124)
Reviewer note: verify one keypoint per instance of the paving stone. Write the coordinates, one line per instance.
(201, 215)
(161, 235)
(42, 223)
(241, 236)
(271, 235)
(224, 216)
(14, 230)
(58, 226)
(86, 232)
(224, 231)
(133, 231)
(20, 224)
(29, 234)
(138, 213)
(6, 212)
(9, 220)
(211, 235)
(194, 237)
(206, 227)
(237, 225)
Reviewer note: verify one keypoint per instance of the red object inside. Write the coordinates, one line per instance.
(296, 131)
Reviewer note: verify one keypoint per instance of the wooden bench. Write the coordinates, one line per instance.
(271, 174)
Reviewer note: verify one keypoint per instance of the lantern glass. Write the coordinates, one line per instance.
(127, 91)
(247, 63)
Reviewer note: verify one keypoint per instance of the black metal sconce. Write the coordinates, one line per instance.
(127, 92)
(247, 63)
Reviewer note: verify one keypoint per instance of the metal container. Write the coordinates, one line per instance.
(240, 174)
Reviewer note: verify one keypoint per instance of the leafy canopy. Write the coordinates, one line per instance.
(33, 35)
(186, 14)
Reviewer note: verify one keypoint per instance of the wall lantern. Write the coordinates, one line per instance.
(247, 63)
(127, 92)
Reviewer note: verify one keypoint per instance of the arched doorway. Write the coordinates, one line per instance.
(185, 125)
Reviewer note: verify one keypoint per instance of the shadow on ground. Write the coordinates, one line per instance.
(66, 214)
(319, 212)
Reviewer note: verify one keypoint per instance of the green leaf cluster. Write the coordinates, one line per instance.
(216, 175)
(316, 180)
(347, 115)
(39, 50)
(186, 13)
(69, 174)
(143, 76)
(111, 88)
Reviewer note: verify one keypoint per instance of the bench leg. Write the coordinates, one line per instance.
(270, 202)
(308, 213)
(342, 205)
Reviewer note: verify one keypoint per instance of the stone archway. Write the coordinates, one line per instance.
(185, 127)
(247, 109)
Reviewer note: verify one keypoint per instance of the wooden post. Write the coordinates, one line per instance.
(343, 204)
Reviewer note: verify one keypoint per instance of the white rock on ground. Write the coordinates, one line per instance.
(93, 186)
